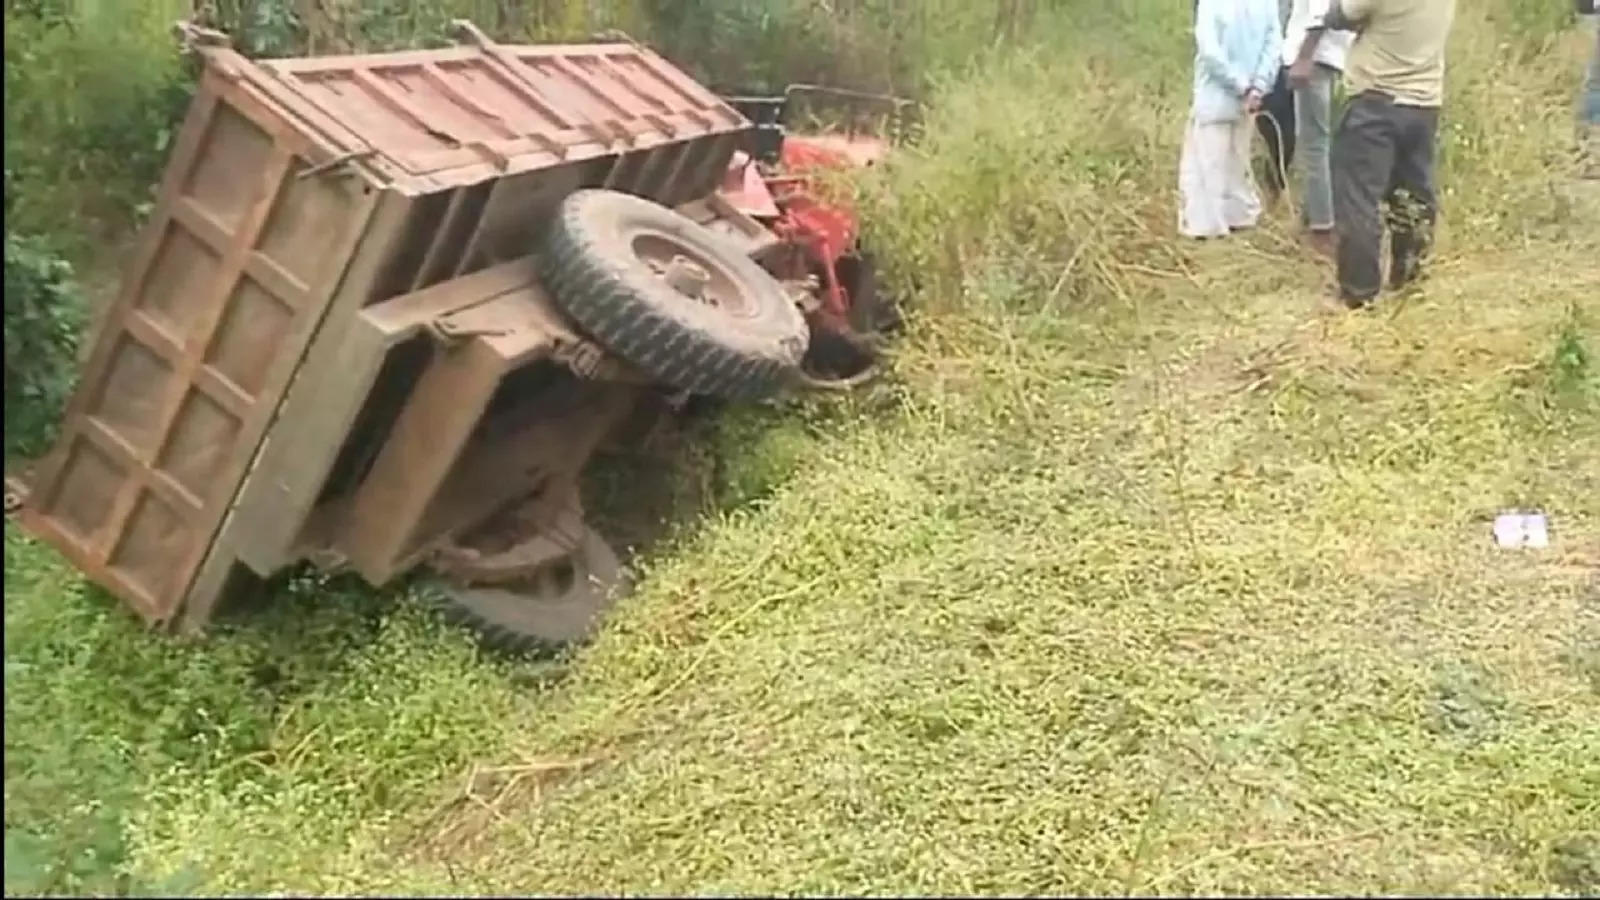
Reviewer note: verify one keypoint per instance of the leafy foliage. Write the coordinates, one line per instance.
(43, 319)
(92, 97)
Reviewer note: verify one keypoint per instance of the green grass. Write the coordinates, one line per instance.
(1143, 574)
(1205, 603)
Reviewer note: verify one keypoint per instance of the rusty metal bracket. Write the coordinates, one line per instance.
(613, 36)
(338, 163)
(16, 494)
(447, 331)
(465, 30)
(196, 38)
(591, 362)
(583, 357)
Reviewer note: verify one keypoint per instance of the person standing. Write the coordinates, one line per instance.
(1238, 46)
(1383, 151)
(1591, 100)
(1277, 122)
(1315, 59)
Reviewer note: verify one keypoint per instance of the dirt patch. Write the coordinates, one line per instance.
(658, 473)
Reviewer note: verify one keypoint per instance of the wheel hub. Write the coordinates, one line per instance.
(688, 278)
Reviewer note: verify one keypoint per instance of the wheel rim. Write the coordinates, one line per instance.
(560, 603)
(695, 276)
(837, 360)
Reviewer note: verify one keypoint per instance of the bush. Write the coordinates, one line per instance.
(94, 92)
(1041, 172)
(43, 319)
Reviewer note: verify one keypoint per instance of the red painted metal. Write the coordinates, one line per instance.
(746, 190)
(823, 232)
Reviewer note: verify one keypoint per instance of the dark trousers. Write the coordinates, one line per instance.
(1383, 157)
(1277, 127)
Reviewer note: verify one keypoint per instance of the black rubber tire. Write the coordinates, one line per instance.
(590, 266)
(540, 616)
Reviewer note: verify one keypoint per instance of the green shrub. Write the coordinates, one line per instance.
(1041, 172)
(43, 318)
(93, 94)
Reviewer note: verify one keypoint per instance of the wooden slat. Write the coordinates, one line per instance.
(278, 281)
(201, 225)
(210, 316)
(443, 85)
(363, 245)
(430, 270)
(437, 419)
(322, 402)
(195, 127)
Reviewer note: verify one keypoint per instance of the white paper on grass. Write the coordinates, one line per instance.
(1522, 531)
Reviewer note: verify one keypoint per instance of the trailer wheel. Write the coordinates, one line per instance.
(561, 603)
(671, 297)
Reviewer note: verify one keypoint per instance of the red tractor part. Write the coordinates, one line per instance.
(818, 230)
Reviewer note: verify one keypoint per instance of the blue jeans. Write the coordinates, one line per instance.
(1313, 113)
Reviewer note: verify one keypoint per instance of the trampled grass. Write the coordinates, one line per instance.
(1145, 573)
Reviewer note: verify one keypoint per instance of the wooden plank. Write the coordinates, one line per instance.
(109, 327)
(556, 446)
(427, 272)
(318, 65)
(219, 556)
(438, 418)
(182, 382)
(321, 402)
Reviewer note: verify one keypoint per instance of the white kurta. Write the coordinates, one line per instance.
(1218, 191)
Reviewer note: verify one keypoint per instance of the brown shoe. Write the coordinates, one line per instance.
(1322, 241)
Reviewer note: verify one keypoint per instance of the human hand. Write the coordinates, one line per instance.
(1252, 101)
(1300, 73)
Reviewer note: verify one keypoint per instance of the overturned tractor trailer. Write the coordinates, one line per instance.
(388, 306)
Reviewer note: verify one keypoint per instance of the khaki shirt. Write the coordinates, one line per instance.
(1399, 48)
